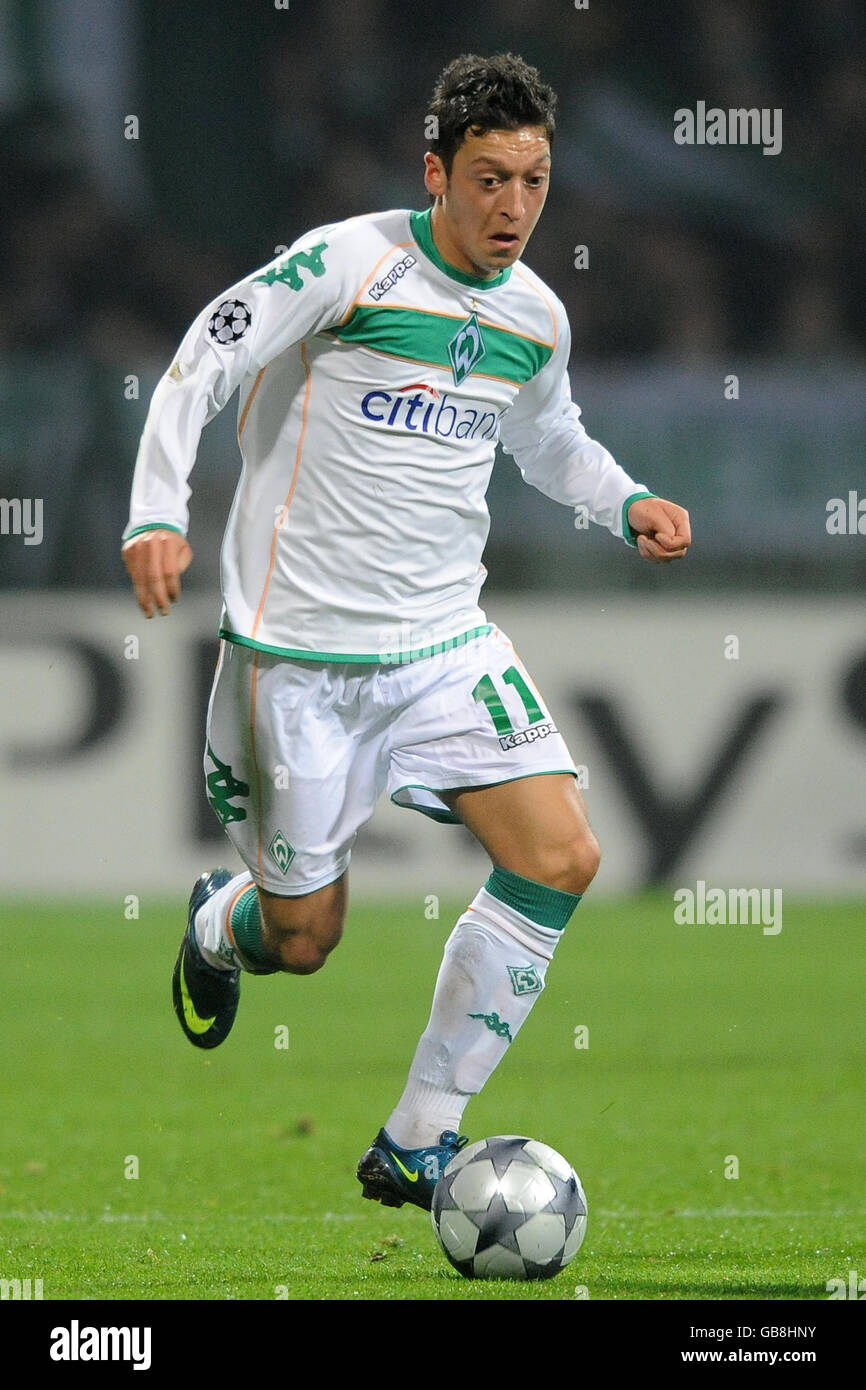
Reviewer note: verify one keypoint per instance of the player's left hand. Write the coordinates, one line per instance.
(661, 528)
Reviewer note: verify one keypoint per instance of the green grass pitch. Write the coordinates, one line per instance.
(705, 1045)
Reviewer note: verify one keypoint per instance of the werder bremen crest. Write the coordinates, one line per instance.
(281, 851)
(525, 979)
(466, 349)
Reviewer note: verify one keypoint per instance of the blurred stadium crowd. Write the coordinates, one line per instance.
(256, 124)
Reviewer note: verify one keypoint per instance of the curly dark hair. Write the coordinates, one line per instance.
(481, 94)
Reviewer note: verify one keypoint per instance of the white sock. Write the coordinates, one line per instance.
(212, 930)
(494, 967)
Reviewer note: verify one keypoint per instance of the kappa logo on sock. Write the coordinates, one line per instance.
(496, 1025)
(525, 979)
(281, 852)
(225, 952)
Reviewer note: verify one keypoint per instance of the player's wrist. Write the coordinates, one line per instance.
(629, 533)
(151, 526)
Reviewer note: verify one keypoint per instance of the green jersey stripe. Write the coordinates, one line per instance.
(382, 658)
(424, 338)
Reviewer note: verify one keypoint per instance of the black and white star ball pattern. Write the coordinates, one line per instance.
(230, 322)
(509, 1207)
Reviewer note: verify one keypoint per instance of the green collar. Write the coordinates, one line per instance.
(419, 223)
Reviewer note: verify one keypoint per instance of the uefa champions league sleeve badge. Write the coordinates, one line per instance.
(230, 322)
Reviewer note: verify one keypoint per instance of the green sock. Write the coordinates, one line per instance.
(246, 925)
(548, 907)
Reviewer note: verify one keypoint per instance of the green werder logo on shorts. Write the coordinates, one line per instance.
(281, 852)
(525, 979)
(466, 349)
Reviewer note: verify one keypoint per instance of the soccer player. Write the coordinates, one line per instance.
(377, 364)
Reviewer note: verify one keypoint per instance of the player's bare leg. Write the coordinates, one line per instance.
(299, 933)
(244, 927)
(232, 927)
(544, 854)
(535, 826)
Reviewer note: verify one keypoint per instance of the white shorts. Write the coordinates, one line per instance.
(298, 752)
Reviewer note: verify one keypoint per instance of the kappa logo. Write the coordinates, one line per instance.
(379, 288)
(466, 349)
(288, 272)
(281, 852)
(496, 1025)
(222, 785)
(530, 735)
(225, 952)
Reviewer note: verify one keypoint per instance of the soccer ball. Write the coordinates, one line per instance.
(509, 1208)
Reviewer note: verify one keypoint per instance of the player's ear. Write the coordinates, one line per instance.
(435, 178)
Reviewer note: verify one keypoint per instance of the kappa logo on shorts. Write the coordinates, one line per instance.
(530, 735)
(525, 979)
(281, 852)
(222, 785)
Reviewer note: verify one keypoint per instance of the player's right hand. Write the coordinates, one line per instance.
(156, 560)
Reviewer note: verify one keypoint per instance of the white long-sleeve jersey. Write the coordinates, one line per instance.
(374, 382)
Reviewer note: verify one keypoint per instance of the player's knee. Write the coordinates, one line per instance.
(588, 861)
(299, 955)
(296, 940)
(299, 952)
(571, 866)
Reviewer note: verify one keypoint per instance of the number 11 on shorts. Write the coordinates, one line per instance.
(486, 692)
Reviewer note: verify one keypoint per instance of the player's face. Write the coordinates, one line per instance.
(486, 210)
